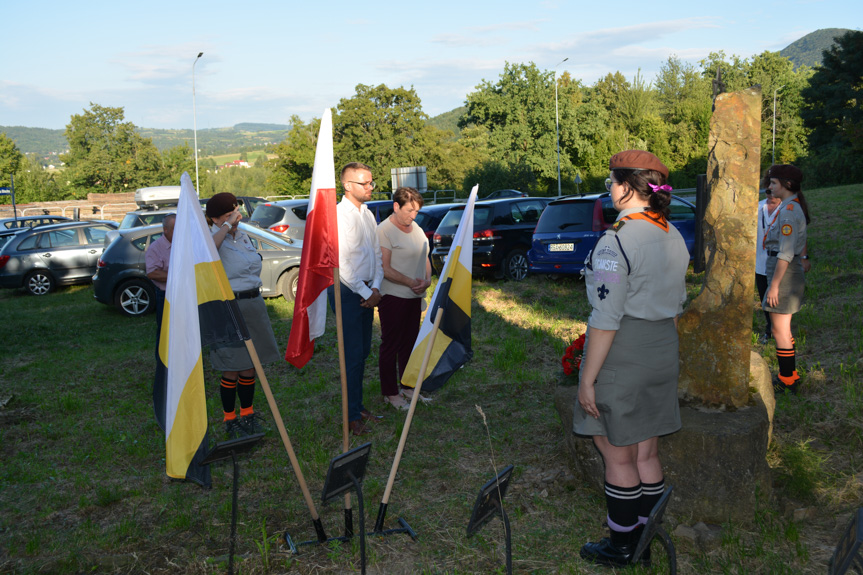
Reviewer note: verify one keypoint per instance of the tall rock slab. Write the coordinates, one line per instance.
(715, 338)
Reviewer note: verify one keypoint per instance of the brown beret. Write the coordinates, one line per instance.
(221, 204)
(785, 172)
(637, 160)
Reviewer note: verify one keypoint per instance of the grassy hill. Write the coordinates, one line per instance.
(212, 141)
(449, 120)
(807, 50)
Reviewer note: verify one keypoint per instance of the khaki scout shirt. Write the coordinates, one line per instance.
(637, 270)
(786, 230)
(241, 260)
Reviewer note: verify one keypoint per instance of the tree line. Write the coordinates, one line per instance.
(508, 134)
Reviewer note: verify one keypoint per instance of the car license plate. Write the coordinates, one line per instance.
(561, 247)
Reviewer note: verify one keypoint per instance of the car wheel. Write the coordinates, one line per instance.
(288, 284)
(515, 265)
(39, 282)
(135, 298)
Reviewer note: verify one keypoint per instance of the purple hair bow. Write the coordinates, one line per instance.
(662, 188)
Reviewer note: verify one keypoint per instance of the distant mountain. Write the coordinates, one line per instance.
(211, 141)
(807, 50)
(449, 120)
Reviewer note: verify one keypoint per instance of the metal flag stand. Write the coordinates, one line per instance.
(652, 529)
(847, 553)
(382, 511)
(225, 450)
(489, 502)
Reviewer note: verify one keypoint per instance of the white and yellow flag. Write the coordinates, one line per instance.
(197, 284)
(452, 344)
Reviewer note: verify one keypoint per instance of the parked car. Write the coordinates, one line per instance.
(502, 231)
(498, 194)
(146, 217)
(286, 217)
(121, 277)
(31, 221)
(41, 258)
(571, 226)
(381, 209)
(8, 234)
(429, 218)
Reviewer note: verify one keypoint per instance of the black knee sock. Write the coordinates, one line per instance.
(650, 496)
(228, 393)
(246, 392)
(623, 506)
(787, 361)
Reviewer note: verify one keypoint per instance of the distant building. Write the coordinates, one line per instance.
(237, 164)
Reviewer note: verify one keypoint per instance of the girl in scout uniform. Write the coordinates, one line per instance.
(627, 396)
(785, 242)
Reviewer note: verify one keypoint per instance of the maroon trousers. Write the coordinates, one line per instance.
(400, 325)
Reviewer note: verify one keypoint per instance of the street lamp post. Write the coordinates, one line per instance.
(195, 124)
(557, 124)
(773, 157)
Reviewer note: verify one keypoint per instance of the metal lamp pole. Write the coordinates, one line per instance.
(557, 124)
(773, 157)
(195, 121)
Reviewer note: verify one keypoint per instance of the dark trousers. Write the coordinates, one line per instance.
(761, 284)
(160, 381)
(357, 331)
(400, 325)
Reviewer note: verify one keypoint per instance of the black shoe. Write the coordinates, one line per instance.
(779, 386)
(234, 429)
(616, 551)
(253, 424)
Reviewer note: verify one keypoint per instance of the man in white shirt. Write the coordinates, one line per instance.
(361, 273)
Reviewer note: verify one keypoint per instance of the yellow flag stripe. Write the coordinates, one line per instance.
(212, 283)
(190, 424)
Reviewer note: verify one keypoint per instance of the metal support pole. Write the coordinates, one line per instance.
(195, 125)
(557, 125)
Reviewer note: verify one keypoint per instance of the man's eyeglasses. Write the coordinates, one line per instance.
(371, 184)
(608, 183)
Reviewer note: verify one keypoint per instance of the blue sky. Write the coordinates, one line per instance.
(266, 60)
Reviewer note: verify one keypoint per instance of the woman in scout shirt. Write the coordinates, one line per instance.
(785, 242)
(242, 265)
(627, 397)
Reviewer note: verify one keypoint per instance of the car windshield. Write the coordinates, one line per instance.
(566, 217)
(140, 219)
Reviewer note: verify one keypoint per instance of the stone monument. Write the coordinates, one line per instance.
(717, 461)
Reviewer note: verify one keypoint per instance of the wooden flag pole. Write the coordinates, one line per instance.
(379, 523)
(346, 442)
(274, 409)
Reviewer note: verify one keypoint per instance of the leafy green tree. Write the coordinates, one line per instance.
(776, 75)
(833, 112)
(107, 155)
(10, 159)
(177, 160)
(291, 170)
(383, 128)
(35, 184)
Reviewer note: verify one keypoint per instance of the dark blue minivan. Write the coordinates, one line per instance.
(569, 228)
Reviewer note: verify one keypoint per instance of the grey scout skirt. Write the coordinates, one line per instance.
(234, 356)
(636, 389)
(790, 288)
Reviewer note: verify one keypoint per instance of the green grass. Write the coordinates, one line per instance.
(83, 488)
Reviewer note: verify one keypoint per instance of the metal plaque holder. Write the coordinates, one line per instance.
(489, 503)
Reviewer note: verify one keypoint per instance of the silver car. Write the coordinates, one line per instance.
(121, 277)
(41, 258)
(286, 217)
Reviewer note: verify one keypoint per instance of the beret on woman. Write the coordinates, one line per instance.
(785, 172)
(220, 204)
(637, 160)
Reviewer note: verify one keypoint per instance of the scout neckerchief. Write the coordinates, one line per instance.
(654, 218)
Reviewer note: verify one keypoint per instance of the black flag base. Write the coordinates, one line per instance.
(231, 449)
(346, 473)
(381, 532)
(652, 529)
(489, 503)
